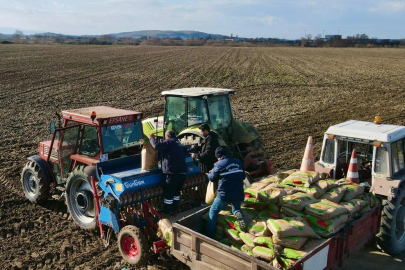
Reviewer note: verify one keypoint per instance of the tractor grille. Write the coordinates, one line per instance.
(46, 150)
(54, 153)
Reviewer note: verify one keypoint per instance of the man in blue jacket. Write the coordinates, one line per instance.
(230, 175)
(174, 167)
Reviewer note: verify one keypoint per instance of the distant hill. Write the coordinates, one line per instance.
(167, 34)
(186, 34)
(10, 31)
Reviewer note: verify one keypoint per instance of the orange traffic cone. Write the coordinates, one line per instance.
(308, 159)
(352, 172)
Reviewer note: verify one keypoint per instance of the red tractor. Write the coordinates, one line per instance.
(65, 163)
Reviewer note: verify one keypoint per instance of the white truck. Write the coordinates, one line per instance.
(381, 160)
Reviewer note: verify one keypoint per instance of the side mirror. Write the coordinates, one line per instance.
(52, 127)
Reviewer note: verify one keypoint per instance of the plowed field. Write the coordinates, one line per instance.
(287, 93)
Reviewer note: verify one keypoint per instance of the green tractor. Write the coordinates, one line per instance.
(187, 108)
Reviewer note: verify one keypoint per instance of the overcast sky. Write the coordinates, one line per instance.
(290, 19)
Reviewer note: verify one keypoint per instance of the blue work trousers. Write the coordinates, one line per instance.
(216, 207)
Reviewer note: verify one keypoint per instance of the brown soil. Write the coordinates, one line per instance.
(287, 93)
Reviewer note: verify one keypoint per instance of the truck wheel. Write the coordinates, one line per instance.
(133, 245)
(34, 184)
(80, 199)
(392, 231)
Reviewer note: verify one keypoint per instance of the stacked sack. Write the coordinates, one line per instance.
(291, 213)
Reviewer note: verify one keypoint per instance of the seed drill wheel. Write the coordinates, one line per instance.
(80, 199)
(34, 184)
(392, 231)
(133, 245)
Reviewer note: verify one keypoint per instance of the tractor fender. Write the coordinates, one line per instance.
(44, 167)
(394, 190)
(196, 131)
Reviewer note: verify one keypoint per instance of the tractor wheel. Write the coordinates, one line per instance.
(392, 231)
(190, 139)
(80, 199)
(133, 245)
(34, 183)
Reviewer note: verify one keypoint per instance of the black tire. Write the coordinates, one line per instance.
(190, 139)
(34, 183)
(80, 199)
(133, 246)
(392, 231)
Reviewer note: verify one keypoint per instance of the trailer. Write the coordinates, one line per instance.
(198, 251)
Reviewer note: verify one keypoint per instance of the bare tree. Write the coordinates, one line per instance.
(17, 36)
(319, 40)
(304, 42)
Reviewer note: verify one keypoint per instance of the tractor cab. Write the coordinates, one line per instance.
(379, 148)
(190, 107)
(87, 136)
(187, 108)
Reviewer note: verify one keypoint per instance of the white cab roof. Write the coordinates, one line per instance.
(368, 131)
(198, 91)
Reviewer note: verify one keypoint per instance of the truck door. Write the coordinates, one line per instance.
(64, 144)
(328, 158)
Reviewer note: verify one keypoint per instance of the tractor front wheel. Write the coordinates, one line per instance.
(133, 245)
(34, 183)
(80, 199)
(392, 231)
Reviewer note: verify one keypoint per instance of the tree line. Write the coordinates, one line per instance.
(358, 40)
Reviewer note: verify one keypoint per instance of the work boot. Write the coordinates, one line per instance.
(241, 221)
(175, 207)
(167, 210)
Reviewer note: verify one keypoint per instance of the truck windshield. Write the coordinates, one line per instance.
(220, 111)
(175, 113)
(397, 151)
(381, 161)
(364, 153)
(121, 135)
(197, 111)
(329, 152)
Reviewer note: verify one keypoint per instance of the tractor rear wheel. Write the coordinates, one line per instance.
(34, 183)
(392, 231)
(80, 199)
(132, 245)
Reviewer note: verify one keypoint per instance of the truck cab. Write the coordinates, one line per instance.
(379, 148)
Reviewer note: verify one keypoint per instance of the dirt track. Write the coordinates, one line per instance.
(288, 93)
